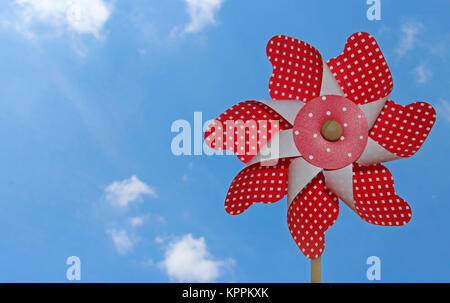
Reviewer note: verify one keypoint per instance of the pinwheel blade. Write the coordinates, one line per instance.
(375, 199)
(402, 130)
(297, 69)
(310, 214)
(257, 183)
(245, 128)
(361, 70)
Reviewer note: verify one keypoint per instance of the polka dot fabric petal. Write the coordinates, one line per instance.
(310, 214)
(361, 70)
(375, 198)
(403, 129)
(257, 183)
(244, 129)
(297, 69)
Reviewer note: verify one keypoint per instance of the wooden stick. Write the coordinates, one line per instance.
(316, 270)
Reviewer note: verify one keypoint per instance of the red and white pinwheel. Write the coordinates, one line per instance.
(334, 124)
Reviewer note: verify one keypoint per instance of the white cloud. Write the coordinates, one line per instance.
(148, 263)
(188, 260)
(159, 240)
(408, 38)
(444, 109)
(121, 193)
(422, 73)
(158, 218)
(137, 221)
(123, 242)
(201, 13)
(80, 16)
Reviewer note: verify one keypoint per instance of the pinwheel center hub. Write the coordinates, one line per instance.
(330, 131)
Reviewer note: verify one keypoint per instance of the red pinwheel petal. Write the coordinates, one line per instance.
(361, 70)
(297, 69)
(375, 198)
(244, 128)
(403, 129)
(257, 183)
(310, 214)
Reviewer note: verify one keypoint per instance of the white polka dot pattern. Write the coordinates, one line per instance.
(403, 129)
(361, 70)
(375, 198)
(310, 214)
(244, 129)
(297, 69)
(257, 183)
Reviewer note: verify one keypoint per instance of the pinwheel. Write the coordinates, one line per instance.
(321, 138)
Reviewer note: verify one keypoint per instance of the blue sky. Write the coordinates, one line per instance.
(86, 107)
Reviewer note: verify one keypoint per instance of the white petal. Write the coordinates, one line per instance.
(280, 145)
(299, 175)
(340, 182)
(375, 153)
(372, 110)
(288, 109)
(329, 84)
